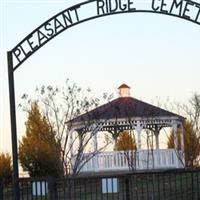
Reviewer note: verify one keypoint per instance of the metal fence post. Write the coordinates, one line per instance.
(52, 189)
(127, 188)
(1, 190)
(192, 184)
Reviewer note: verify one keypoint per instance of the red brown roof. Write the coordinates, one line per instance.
(123, 86)
(125, 107)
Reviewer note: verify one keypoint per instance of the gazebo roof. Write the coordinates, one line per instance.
(123, 86)
(125, 108)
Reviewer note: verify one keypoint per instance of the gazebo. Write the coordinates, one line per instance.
(128, 113)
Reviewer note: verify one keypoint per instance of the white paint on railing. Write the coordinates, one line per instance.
(141, 160)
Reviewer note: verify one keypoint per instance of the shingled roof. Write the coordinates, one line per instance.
(125, 107)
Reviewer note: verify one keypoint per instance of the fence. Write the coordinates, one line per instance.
(168, 185)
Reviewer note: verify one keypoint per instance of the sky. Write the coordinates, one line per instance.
(156, 55)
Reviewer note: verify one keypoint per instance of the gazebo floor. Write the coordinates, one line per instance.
(125, 172)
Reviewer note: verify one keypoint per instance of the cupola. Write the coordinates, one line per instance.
(124, 90)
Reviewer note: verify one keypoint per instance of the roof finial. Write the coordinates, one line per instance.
(124, 90)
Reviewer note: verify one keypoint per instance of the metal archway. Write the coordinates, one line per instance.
(74, 15)
(99, 8)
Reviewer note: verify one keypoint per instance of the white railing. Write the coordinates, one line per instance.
(139, 160)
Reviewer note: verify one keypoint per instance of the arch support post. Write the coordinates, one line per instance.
(16, 193)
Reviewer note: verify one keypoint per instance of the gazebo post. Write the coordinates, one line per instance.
(95, 149)
(174, 131)
(95, 143)
(138, 128)
(156, 133)
(71, 142)
(182, 144)
(71, 150)
(157, 152)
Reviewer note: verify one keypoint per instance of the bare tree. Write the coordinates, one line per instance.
(60, 105)
(190, 110)
(193, 111)
(80, 154)
(191, 144)
(150, 149)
